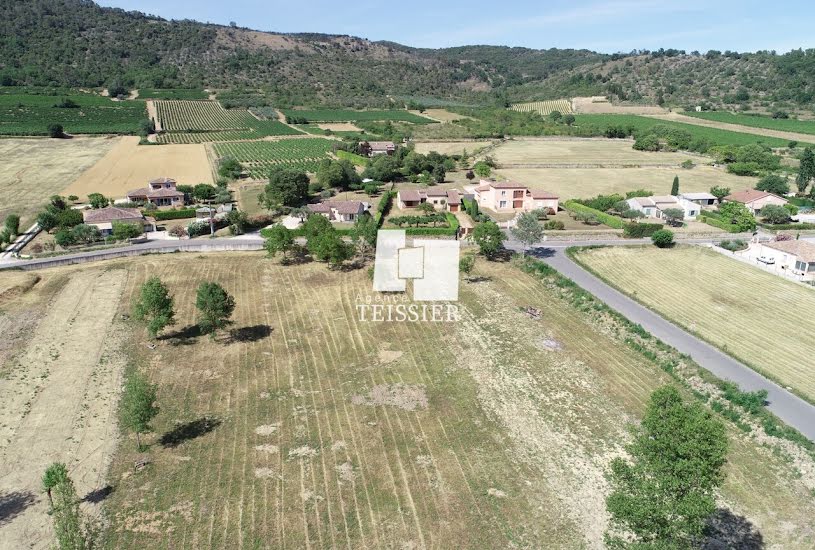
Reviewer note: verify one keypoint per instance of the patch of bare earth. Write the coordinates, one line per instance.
(402, 396)
(58, 400)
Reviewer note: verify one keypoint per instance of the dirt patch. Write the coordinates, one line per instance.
(497, 493)
(264, 473)
(339, 127)
(302, 452)
(345, 472)
(549, 344)
(267, 429)
(58, 400)
(388, 356)
(268, 449)
(129, 166)
(402, 396)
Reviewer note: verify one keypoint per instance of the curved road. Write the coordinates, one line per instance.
(785, 405)
(788, 407)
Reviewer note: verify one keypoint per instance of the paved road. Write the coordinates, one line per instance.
(788, 407)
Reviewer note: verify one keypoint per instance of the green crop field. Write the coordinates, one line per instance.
(343, 115)
(544, 107)
(758, 121)
(714, 135)
(173, 93)
(30, 115)
(260, 157)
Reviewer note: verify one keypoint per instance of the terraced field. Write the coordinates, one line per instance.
(746, 312)
(260, 156)
(545, 108)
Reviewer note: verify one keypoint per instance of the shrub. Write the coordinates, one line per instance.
(775, 214)
(163, 215)
(56, 131)
(124, 231)
(178, 231)
(555, 225)
(590, 213)
(663, 238)
(641, 230)
(197, 228)
(773, 184)
(734, 245)
(687, 164)
(64, 238)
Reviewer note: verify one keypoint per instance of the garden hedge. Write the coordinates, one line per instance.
(606, 219)
(163, 215)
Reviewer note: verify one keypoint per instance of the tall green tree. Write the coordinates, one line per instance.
(773, 183)
(279, 240)
(719, 192)
(739, 215)
(675, 187)
(528, 230)
(98, 200)
(215, 307)
(55, 474)
(12, 223)
(138, 405)
(286, 187)
(663, 495)
(806, 170)
(73, 532)
(154, 306)
(489, 238)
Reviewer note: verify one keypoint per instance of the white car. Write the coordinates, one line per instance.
(766, 260)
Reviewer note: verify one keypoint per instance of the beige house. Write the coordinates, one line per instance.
(103, 218)
(161, 192)
(755, 200)
(509, 196)
(441, 199)
(374, 148)
(794, 258)
(340, 211)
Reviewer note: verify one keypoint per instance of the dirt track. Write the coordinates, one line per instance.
(58, 403)
(792, 136)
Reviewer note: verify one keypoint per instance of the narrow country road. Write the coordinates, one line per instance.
(788, 407)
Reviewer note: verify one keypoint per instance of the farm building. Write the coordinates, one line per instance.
(755, 200)
(509, 196)
(340, 211)
(103, 218)
(374, 148)
(162, 192)
(702, 199)
(793, 258)
(441, 199)
(653, 207)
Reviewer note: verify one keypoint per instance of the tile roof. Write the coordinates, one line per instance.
(749, 195)
(342, 207)
(110, 213)
(644, 201)
(803, 250)
(379, 145)
(508, 185)
(409, 195)
(164, 192)
(436, 192)
(540, 194)
(453, 197)
(162, 180)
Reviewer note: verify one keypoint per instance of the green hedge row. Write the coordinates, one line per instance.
(641, 230)
(162, 215)
(384, 207)
(606, 219)
(715, 222)
(451, 231)
(788, 226)
(802, 201)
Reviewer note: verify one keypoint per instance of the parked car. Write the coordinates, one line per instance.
(766, 260)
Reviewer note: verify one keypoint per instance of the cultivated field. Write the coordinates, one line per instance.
(573, 183)
(31, 115)
(563, 106)
(35, 169)
(442, 115)
(172, 93)
(451, 147)
(786, 130)
(260, 156)
(582, 152)
(339, 127)
(305, 427)
(129, 166)
(750, 314)
(601, 105)
(347, 115)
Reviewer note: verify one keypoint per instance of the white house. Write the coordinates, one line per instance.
(793, 258)
(653, 207)
(340, 211)
(702, 199)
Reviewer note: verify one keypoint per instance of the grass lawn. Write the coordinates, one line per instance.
(304, 426)
(755, 316)
(757, 121)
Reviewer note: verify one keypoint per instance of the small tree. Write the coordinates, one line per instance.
(286, 187)
(123, 231)
(675, 187)
(55, 474)
(279, 239)
(71, 530)
(775, 214)
(154, 306)
(489, 238)
(673, 216)
(215, 307)
(663, 238)
(56, 131)
(466, 265)
(739, 215)
(569, 119)
(138, 405)
(665, 493)
(719, 192)
(426, 207)
(329, 247)
(527, 230)
(555, 116)
(482, 169)
(98, 200)
(773, 184)
(12, 223)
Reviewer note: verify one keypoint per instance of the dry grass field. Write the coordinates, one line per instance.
(442, 115)
(753, 315)
(129, 166)
(606, 152)
(35, 169)
(571, 183)
(339, 127)
(303, 427)
(451, 147)
(600, 105)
